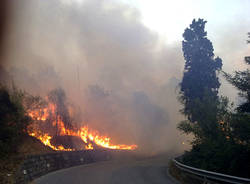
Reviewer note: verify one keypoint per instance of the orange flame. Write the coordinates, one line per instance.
(45, 139)
(87, 136)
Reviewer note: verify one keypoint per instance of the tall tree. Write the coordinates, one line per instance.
(240, 122)
(200, 84)
(241, 80)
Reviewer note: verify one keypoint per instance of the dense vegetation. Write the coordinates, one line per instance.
(221, 134)
(200, 84)
(13, 121)
(15, 142)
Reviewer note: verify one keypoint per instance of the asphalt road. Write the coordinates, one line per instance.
(120, 171)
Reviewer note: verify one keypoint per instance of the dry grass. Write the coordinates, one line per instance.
(32, 146)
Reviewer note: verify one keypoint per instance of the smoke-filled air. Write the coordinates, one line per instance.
(103, 76)
(124, 91)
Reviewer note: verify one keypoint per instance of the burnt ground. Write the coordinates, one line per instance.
(123, 170)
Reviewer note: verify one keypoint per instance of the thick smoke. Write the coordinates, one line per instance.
(117, 72)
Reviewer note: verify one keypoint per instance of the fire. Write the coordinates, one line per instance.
(47, 116)
(45, 139)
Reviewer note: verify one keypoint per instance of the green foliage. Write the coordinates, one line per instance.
(241, 80)
(221, 135)
(13, 120)
(240, 128)
(199, 86)
(220, 155)
(228, 150)
(209, 126)
(200, 82)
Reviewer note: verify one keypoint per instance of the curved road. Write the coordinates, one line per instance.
(120, 171)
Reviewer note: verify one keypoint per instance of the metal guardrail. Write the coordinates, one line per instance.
(216, 177)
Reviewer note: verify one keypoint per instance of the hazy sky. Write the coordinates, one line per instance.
(169, 18)
(228, 21)
(227, 26)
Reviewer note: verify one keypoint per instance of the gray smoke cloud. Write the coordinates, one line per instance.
(115, 70)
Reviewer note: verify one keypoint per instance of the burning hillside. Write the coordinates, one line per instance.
(53, 126)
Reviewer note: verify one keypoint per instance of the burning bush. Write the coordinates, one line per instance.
(53, 125)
